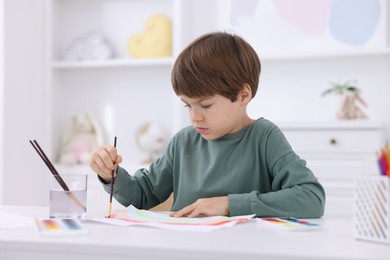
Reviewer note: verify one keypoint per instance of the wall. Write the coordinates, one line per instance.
(24, 175)
(1, 97)
(290, 88)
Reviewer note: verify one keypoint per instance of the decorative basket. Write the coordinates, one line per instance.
(372, 208)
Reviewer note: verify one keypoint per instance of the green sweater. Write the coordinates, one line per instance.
(256, 167)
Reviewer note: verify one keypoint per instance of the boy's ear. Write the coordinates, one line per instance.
(245, 94)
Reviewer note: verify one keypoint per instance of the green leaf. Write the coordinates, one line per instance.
(342, 88)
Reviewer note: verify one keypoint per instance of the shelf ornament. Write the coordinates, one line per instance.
(351, 100)
(83, 137)
(90, 46)
(155, 41)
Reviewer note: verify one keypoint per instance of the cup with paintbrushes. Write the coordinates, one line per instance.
(68, 203)
(68, 192)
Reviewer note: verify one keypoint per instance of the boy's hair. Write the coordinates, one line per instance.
(216, 63)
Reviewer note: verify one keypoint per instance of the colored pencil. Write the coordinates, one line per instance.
(380, 164)
(385, 167)
(386, 155)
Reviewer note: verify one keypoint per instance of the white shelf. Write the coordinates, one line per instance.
(352, 53)
(330, 125)
(111, 63)
(169, 61)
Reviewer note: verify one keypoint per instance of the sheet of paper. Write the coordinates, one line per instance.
(11, 220)
(133, 216)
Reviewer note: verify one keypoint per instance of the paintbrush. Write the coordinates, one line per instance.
(112, 186)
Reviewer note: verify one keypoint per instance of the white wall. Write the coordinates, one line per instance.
(290, 89)
(1, 97)
(24, 174)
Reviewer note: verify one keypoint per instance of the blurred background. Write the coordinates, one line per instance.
(112, 59)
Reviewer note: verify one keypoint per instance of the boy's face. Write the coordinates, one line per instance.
(216, 116)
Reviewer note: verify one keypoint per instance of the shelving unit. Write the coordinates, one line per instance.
(337, 152)
(122, 92)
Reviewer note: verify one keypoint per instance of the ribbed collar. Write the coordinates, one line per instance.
(237, 135)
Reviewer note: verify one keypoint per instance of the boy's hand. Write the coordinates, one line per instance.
(104, 160)
(216, 206)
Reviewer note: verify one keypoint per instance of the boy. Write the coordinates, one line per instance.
(225, 163)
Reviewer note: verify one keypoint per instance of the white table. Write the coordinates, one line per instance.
(243, 241)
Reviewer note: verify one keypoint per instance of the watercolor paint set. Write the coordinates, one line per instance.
(60, 227)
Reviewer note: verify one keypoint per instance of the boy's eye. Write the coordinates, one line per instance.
(205, 106)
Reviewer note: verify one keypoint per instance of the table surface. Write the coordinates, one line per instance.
(242, 241)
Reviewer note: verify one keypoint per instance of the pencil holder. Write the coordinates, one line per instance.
(372, 208)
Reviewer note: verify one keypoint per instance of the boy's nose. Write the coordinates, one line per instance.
(195, 116)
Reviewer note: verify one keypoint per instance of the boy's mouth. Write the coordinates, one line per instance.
(201, 130)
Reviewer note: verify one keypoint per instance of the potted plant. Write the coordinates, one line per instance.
(351, 99)
(348, 87)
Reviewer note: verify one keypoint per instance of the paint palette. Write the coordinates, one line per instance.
(288, 224)
(61, 227)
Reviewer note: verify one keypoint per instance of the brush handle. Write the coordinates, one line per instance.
(112, 185)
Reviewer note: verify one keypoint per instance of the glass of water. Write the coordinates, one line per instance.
(69, 200)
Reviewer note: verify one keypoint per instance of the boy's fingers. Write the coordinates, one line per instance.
(184, 211)
(96, 168)
(196, 213)
(97, 163)
(118, 160)
(108, 155)
(102, 158)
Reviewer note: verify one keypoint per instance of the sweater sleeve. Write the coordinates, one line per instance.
(295, 191)
(146, 188)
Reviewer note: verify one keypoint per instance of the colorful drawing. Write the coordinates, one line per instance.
(306, 25)
(354, 21)
(134, 216)
(298, 12)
